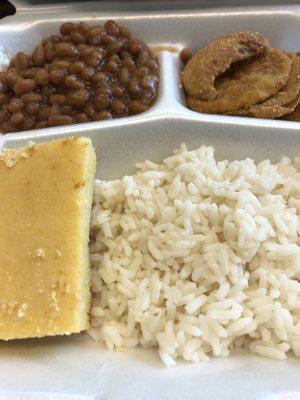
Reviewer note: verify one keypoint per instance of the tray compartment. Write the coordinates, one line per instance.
(160, 29)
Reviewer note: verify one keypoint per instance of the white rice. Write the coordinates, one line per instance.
(196, 257)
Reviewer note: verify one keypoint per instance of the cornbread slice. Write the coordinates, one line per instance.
(46, 195)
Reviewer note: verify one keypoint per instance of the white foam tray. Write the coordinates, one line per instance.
(67, 368)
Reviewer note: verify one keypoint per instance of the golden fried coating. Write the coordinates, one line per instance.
(283, 102)
(247, 83)
(215, 58)
(295, 115)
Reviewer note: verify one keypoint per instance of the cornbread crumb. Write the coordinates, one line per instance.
(58, 252)
(8, 307)
(40, 253)
(54, 299)
(31, 144)
(11, 156)
(21, 310)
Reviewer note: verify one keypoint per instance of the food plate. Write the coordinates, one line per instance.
(77, 367)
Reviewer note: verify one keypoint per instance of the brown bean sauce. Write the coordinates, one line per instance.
(83, 74)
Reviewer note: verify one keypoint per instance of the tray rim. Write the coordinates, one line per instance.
(175, 109)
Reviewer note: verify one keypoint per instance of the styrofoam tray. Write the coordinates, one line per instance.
(66, 368)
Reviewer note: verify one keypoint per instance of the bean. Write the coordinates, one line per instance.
(82, 27)
(117, 91)
(3, 98)
(29, 73)
(112, 67)
(100, 53)
(142, 57)
(100, 78)
(102, 115)
(118, 107)
(136, 107)
(61, 64)
(112, 28)
(134, 46)
(116, 58)
(94, 61)
(94, 35)
(5, 107)
(81, 117)
(87, 73)
(41, 124)
(13, 70)
(89, 110)
(101, 102)
(185, 55)
(47, 90)
(42, 77)
(56, 39)
(149, 82)
(115, 47)
(128, 63)
(82, 48)
(123, 76)
(78, 98)
(3, 84)
(151, 65)
(106, 39)
(20, 60)
(67, 50)
(15, 105)
(3, 116)
(72, 82)
(32, 108)
(67, 28)
(125, 54)
(59, 99)
(58, 76)
(38, 56)
(50, 55)
(17, 118)
(28, 123)
(54, 109)
(45, 41)
(134, 87)
(7, 127)
(57, 120)
(31, 97)
(140, 71)
(66, 109)
(76, 67)
(124, 32)
(77, 37)
(87, 52)
(146, 97)
(104, 89)
(44, 114)
(23, 86)
(11, 78)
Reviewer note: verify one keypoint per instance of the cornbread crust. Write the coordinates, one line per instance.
(46, 195)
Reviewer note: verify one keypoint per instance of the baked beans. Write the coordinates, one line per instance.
(82, 74)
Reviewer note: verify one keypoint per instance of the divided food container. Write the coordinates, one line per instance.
(76, 367)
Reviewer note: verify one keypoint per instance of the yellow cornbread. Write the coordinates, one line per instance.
(45, 204)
